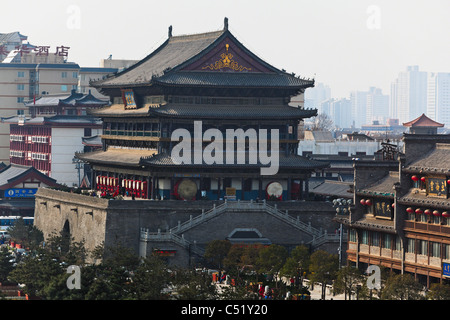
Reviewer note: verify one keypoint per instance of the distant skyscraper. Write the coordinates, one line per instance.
(377, 106)
(315, 96)
(358, 100)
(340, 111)
(409, 94)
(438, 97)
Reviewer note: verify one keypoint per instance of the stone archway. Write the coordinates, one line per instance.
(65, 236)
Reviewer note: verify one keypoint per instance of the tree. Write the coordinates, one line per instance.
(297, 263)
(150, 279)
(192, 285)
(438, 291)
(322, 122)
(36, 272)
(27, 235)
(402, 287)
(216, 251)
(6, 265)
(348, 280)
(323, 268)
(271, 259)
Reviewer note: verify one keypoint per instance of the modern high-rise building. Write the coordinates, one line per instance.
(409, 92)
(377, 106)
(438, 97)
(358, 100)
(315, 96)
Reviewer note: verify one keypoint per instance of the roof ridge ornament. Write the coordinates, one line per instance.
(170, 31)
(225, 23)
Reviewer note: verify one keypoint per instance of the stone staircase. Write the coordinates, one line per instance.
(175, 234)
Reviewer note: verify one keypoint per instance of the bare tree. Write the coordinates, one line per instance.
(322, 122)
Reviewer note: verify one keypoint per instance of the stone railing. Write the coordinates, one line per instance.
(146, 235)
(245, 206)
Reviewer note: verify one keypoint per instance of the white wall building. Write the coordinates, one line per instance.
(409, 92)
(438, 97)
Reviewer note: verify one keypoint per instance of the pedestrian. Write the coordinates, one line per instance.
(261, 291)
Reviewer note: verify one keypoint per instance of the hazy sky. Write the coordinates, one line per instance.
(347, 44)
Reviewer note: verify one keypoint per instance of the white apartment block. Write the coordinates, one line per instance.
(438, 97)
(409, 94)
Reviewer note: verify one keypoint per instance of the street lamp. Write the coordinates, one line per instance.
(78, 165)
(342, 208)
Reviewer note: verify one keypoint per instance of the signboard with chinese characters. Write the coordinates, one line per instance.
(383, 208)
(446, 269)
(437, 187)
(128, 99)
(230, 193)
(20, 193)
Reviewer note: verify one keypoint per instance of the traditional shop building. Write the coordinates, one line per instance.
(401, 215)
(212, 82)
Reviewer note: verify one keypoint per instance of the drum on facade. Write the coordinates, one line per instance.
(186, 189)
(274, 190)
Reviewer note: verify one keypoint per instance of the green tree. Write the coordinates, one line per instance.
(216, 251)
(323, 267)
(297, 263)
(438, 291)
(27, 235)
(150, 279)
(271, 259)
(6, 265)
(36, 271)
(402, 287)
(349, 279)
(192, 285)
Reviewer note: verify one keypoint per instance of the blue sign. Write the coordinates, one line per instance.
(20, 193)
(446, 269)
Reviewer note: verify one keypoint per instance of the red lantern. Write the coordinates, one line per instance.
(363, 202)
(427, 212)
(423, 179)
(393, 205)
(445, 214)
(419, 211)
(448, 181)
(368, 202)
(436, 213)
(414, 178)
(409, 210)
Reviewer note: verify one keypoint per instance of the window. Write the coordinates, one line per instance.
(375, 239)
(387, 241)
(435, 249)
(446, 251)
(21, 74)
(20, 99)
(411, 246)
(422, 247)
(64, 74)
(398, 243)
(352, 235)
(64, 88)
(365, 237)
(21, 87)
(74, 74)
